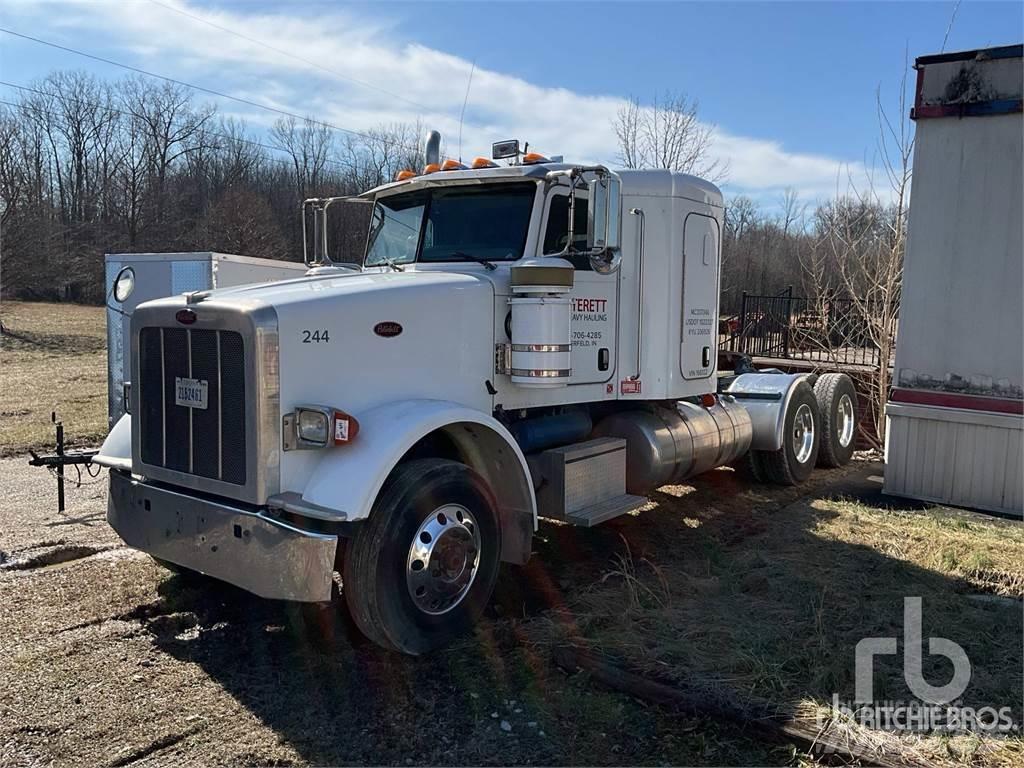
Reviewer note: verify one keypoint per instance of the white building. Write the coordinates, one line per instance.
(955, 420)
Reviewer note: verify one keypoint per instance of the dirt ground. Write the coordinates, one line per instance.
(107, 659)
(751, 595)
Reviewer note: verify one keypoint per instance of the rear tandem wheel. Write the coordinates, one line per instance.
(801, 441)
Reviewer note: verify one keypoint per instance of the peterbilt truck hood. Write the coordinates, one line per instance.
(356, 340)
(330, 286)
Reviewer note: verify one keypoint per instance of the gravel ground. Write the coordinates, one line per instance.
(110, 660)
(31, 529)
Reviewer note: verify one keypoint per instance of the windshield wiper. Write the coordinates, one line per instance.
(469, 257)
(389, 263)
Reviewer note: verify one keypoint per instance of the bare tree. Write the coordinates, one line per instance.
(171, 123)
(309, 145)
(374, 157)
(861, 249)
(666, 134)
(241, 222)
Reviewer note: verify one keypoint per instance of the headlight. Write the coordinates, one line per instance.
(124, 284)
(312, 426)
(317, 426)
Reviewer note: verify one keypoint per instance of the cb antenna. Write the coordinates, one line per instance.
(465, 101)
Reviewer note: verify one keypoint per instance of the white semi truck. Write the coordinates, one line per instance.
(533, 339)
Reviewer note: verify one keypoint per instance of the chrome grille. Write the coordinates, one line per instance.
(208, 442)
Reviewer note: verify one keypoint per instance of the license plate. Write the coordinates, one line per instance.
(191, 393)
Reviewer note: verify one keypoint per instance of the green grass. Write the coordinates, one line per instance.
(769, 604)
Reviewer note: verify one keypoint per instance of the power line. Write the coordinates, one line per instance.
(240, 139)
(123, 113)
(290, 55)
(41, 111)
(203, 89)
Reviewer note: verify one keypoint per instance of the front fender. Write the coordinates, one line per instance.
(116, 451)
(349, 478)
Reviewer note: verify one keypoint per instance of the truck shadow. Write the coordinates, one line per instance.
(741, 589)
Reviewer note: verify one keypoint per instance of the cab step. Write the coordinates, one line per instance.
(605, 510)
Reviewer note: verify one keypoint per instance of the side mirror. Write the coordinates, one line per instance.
(604, 219)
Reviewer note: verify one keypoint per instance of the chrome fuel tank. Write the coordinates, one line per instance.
(667, 445)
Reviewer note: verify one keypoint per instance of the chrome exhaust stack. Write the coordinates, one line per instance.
(432, 147)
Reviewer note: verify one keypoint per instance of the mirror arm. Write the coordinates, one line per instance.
(305, 250)
(320, 206)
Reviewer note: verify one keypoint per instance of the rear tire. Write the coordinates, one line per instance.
(837, 400)
(801, 440)
(421, 569)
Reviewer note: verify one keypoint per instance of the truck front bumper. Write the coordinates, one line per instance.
(264, 556)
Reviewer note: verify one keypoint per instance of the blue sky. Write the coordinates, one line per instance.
(789, 87)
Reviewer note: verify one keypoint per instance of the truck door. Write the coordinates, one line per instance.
(699, 332)
(594, 297)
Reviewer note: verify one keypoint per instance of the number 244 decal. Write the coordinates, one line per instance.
(315, 337)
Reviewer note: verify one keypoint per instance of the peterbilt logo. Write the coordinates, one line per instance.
(387, 329)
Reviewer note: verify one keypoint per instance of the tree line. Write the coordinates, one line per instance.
(89, 166)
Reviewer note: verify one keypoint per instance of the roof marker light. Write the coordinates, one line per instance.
(452, 165)
(431, 168)
(483, 162)
(531, 158)
(405, 175)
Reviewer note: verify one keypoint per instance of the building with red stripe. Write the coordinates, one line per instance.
(956, 414)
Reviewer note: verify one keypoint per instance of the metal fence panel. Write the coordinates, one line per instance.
(788, 327)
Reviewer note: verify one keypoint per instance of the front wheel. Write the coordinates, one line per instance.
(421, 569)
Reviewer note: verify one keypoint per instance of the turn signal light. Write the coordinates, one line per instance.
(431, 168)
(317, 426)
(483, 162)
(345, 428)
(452, 165)
(531, 158)
(404, 175)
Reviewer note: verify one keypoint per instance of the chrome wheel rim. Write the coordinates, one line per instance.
(803, 433)
(444, 557)
(846, 421)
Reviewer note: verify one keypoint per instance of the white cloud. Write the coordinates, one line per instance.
(358, 47)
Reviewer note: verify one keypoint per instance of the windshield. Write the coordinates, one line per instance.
(395, 229)
(484, 221)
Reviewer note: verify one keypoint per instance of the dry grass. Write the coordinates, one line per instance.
(766, 602)
(52, 357)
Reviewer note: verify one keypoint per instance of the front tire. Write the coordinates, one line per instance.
(421, 569)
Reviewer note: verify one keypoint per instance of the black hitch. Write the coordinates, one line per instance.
(62, 458)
